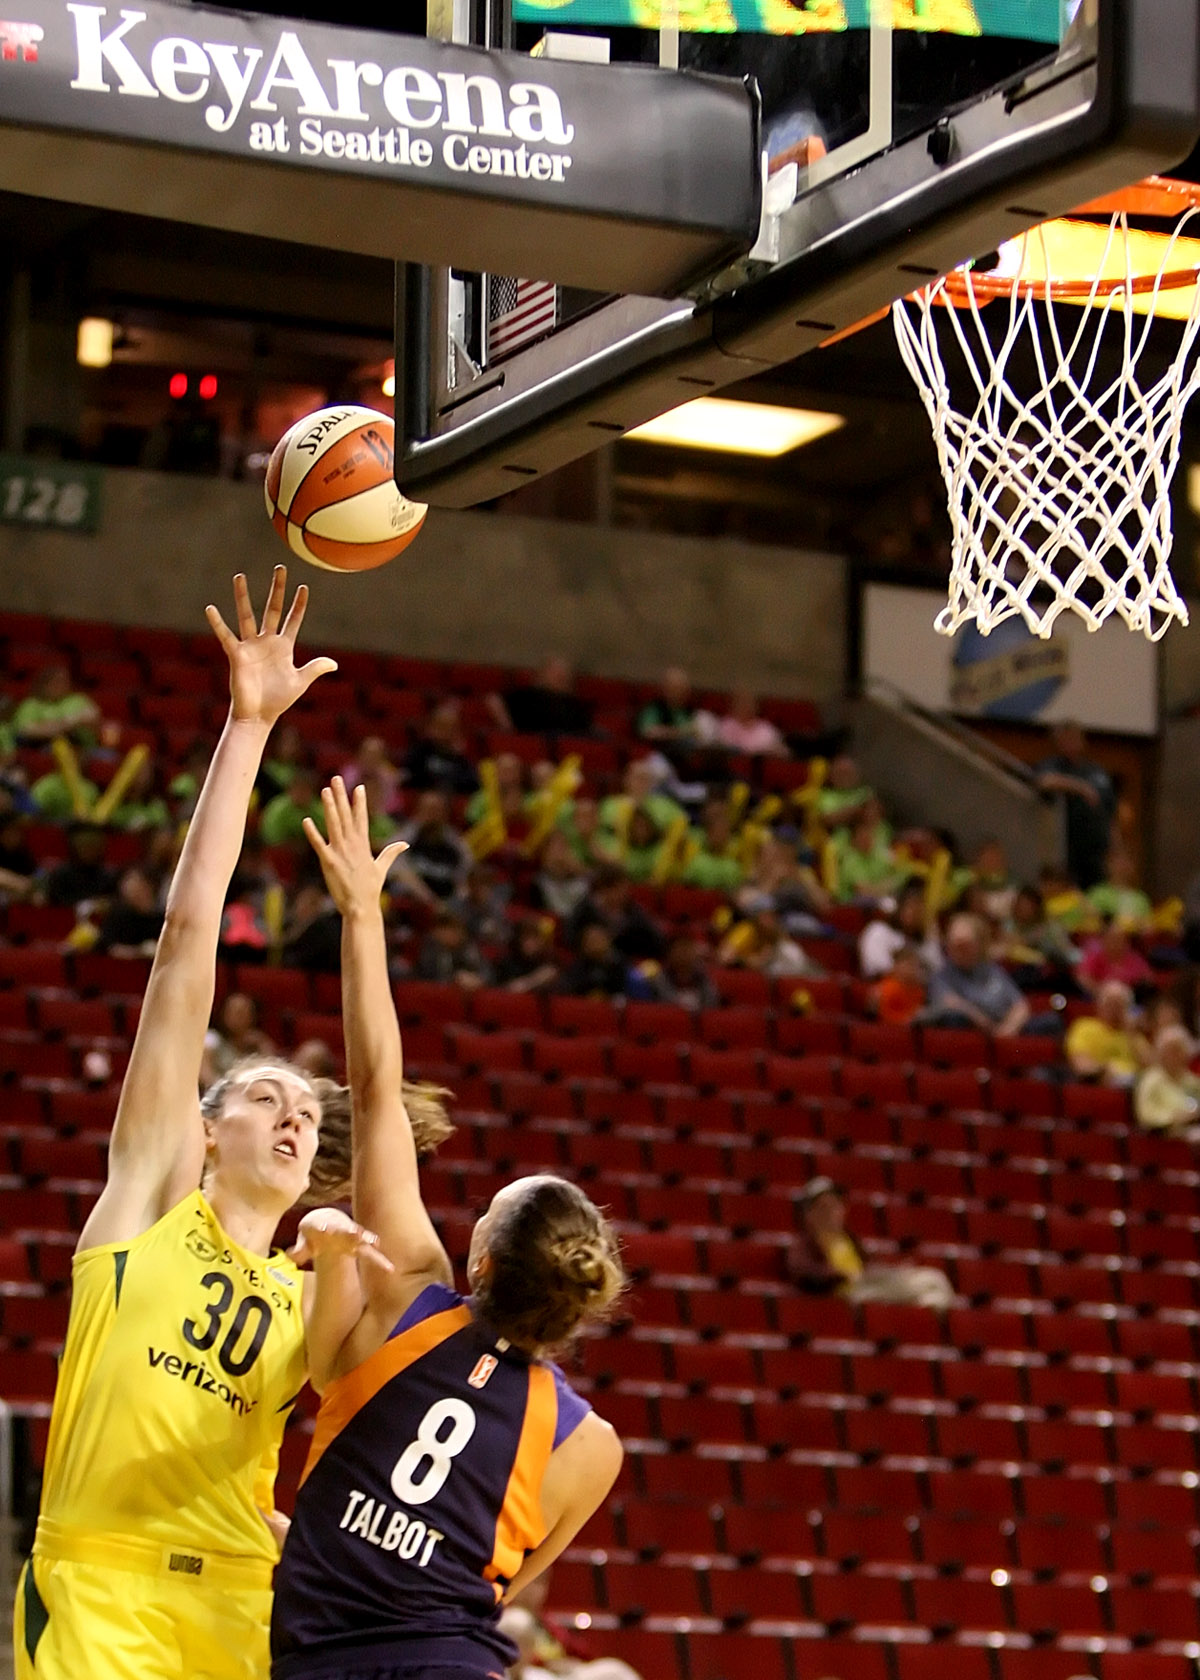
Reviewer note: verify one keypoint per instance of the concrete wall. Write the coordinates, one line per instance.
(474, 586)
(926, 778)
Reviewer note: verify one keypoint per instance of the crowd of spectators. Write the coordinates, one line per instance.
(529, 872)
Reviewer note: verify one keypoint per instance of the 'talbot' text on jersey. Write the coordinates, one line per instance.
(521, 127)
(391, 1530)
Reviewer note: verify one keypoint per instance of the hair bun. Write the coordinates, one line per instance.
(583, 1264)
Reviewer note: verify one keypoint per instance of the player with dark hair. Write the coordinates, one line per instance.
(186, 1341)
(451, 1463)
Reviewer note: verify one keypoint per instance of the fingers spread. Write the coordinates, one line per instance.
(245, 611)
(313, 835)
(274, 607)
(295, 617)
(344, 810)
(333, 817)
(220, 629)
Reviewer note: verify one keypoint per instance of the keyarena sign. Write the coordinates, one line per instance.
(625, 178)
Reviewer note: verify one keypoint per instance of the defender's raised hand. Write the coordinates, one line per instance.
(264, 679)
(353, 874)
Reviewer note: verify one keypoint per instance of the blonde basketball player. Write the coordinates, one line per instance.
(186, 1341)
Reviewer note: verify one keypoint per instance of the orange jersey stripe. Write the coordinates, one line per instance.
(347, 1395)
(521, 1525)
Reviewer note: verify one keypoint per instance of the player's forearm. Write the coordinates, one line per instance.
(215, 834)
(374, 1054)
(337, 1305)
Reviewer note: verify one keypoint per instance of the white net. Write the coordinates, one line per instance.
(1057, 461)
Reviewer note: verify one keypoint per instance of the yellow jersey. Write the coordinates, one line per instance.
(184, 1352)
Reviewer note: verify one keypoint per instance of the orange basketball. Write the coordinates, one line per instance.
(331, 494)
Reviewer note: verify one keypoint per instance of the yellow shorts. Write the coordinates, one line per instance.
(137, 1619)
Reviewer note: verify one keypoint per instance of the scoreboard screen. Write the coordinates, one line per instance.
(1029, 20)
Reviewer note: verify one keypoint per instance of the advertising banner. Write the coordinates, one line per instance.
(1107, 680)
(622, 177)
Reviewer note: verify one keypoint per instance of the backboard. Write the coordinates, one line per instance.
(901, 138)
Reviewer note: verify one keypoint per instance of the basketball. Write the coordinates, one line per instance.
(331, 495)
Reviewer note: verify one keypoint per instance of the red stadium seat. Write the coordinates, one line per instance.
(855, 1599)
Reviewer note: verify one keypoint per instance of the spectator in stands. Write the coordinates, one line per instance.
(84, 876)
(714, 861)
(1167, 1097)
(438, 757)
(134, 919)
(1106, 1048)
(60, 799)
(560, 885)
(845, 794)
(1112, 955)
(481, 904)
(549, 1650)
(579, 820)
(184, 787)
(742, 730)
(598, 970)
(1118, 896)
(546, 706)
(436, 852)
(670, 718)
(1090, 799)
(683, 976)
(529, 964)
(236, 1033)
(143, 806)
(641, 854)
(992, 884)
(900, 996)
(610, 904)
(18, 866)
(315, 1058)
(282, 820)
(286, 753)
(760, 943)
(861, 867)
(890, 929)
(969, 990)
(54, 708)
(640, 791)
(1036, 949)
(1064, 902)
(507, 799)
(312, 932)
(448, 954)
(826, 1259)
(779, 881)
(372, 767)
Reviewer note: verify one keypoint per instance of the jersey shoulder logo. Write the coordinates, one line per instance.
(484, 1366)
(199, 1244)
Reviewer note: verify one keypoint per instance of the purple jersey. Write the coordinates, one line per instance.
(420, 1499)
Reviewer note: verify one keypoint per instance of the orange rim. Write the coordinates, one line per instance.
(1158, 196)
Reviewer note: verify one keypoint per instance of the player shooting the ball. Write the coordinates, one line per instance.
(188, 1338)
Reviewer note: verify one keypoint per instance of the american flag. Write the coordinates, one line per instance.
(518, 312)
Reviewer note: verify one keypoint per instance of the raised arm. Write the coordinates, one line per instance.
(386, 1188)
(157, 1149)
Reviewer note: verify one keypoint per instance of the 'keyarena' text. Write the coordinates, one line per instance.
(114, 56)
(398, 147)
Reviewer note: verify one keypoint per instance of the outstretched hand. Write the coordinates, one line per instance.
(330, 1233)
(353, 874)
(264, 679)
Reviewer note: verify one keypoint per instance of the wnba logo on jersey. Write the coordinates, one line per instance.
(484, 1367)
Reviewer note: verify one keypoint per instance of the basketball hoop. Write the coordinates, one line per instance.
(1059, 476)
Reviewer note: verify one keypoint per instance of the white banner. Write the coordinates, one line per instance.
(1107, 680)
